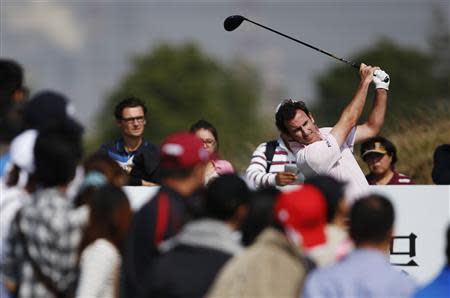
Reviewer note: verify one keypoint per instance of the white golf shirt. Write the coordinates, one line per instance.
(326, 157)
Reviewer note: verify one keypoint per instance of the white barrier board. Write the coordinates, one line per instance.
(422, 216)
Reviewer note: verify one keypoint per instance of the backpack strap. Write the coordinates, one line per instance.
(270, 151)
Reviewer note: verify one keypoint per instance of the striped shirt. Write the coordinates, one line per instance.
(52, 230)
(256, 173)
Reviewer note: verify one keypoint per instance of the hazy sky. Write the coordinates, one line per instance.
(83, 48)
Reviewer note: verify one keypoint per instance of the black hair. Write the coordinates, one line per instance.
(390, 148)
(105, 201)
(11, 78)
(129, 102)
(57, 152)
(286, 112)
(103, 205)
(260, 214)
(371, 219)
(203, 124)
(332, 190)
(441, 165)
(224, 195)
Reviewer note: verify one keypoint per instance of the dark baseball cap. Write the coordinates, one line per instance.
(49, 108)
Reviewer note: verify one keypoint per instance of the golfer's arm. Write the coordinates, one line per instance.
(351, 113)
(375, 120)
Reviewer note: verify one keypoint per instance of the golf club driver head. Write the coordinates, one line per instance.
(232, 22)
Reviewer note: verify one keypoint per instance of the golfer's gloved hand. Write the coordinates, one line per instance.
(381, 79)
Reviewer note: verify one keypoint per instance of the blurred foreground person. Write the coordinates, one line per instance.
(260, 214)
(208, 134)
(204, 245)
(440, 286)
(109, 218)
(366, 272)
(275, 265)
(44, 238)
(441, 165)
(338, 242)
(99, 169)
(13, 94)
(380, 156)
(183, 162)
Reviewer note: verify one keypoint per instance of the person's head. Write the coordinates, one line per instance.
(11, 82)
(302, 213)
(226, 199)
(105, 165)
(130, 116)
(110, 215)
(371, 221)
(50, 110)
(57, 152)
(441, 165)
(334, 193)
(259, 215)
(294, 120)
(12, 96)
(379, 154)
(99, 170)
(183, 161)
(207, 133)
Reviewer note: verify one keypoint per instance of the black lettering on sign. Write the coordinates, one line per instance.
(411, 252)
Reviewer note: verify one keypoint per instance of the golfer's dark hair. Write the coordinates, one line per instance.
(224, 196)
(260, 214)
(129, 102)
(332, 190)
(11, 78)
(390, 148)
(286, 112)
(203, 124)
(371, 219)
(56, 153)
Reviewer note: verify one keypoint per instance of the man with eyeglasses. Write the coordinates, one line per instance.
(138, 157)
(327, 150)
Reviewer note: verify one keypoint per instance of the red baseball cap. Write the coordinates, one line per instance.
(182, 150)
(303, 215)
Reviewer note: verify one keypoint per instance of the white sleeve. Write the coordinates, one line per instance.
(256, 172)
(319, 156)
(99, 264)
(351, 137)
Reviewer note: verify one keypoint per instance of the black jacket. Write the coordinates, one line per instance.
(159, 219)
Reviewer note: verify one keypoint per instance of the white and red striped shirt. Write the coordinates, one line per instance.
(256, 173)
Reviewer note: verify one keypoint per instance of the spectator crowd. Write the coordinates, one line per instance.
(300, 222)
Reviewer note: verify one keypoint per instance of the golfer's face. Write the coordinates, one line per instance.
(302, 129)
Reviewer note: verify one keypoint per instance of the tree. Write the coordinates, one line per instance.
(414, 85)
(180, 85)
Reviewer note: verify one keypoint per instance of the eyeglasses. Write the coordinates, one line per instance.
(209, 142)
(139, 119)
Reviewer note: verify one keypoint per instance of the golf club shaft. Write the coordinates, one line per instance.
(305, 44)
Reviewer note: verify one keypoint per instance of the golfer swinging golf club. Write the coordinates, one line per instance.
(327, 150)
